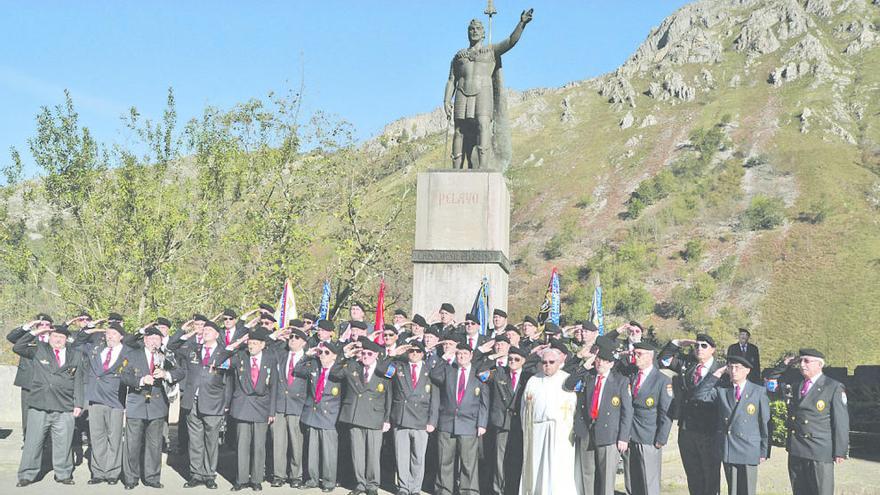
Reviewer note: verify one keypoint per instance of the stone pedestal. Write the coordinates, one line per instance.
(462, 235)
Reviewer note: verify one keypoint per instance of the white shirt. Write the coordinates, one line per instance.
(602, 390)
(205, 349)
(418, 369)
(114, 354)
(294, 357)
(704, 368)
(812, 382)
(645, 372)
(62, 355)
(368, 373)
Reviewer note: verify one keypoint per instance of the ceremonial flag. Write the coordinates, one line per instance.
(286, 305)
(325, 302)
(480, 309)
(550, 306)
(379, 326)
(597, 315)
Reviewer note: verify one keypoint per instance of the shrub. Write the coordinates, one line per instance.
(633, 302)
(553, 247)
(634, 208)
(778, 413)
(725, 270)
(693, 250)
(764, 213)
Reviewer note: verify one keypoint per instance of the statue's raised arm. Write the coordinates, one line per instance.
(502, 46)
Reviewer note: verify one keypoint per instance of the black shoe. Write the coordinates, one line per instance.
(95, 481)
(328, 489)
(153, 484)
(192, 484)
(277, 482)
(112, 482)
(23, 483)
(236, 487)
(311, 484)
(129, 486)
(257, 487)
(296, 483)
(211, 485)
(66, 481)
(355, 492)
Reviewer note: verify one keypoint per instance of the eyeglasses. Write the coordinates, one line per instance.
(368, 353)
(703, 345)
(515, 359)
(470, 323)
(391, 334)
(325, 352)
(548, 362)
(228, 318)
(308, 322)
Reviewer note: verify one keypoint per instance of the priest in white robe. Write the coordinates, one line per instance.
(548, 436)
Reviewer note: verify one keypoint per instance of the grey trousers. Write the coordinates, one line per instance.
(642, 463)
(143, 440)
(809, 477)
(366, 448)
(24, 412)
(322, 456)
(742, 479)
(251, 464)
(38, 423)
(409, 448)
(105, 436)
(598, 467)
(701, 458)
(287, 431)
(204, 438)
(466, 449)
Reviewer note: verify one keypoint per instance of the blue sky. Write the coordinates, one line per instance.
(368, 62)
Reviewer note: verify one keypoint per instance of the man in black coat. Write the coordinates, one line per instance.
(287, 430)
(320, 413)
(746, 349)
(24, 372)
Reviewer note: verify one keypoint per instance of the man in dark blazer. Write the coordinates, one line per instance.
(105, 398)
(463, 418)
(746, 349)
(506, 386)
(24, 372)
(415, 408)
(56, 398)
(818, 427)
(287, 430)
(472, 335)
(652, 395)
(254, 394)
(147, 372)
(697, 420)
(607, 420)
(207, 396)
(743, 415)
(366, 408)
(233, 327)
(321, 412)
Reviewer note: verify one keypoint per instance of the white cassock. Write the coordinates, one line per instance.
(548, 437)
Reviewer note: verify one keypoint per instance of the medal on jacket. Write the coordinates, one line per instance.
(820, 405)
(751, 409)
(380, 387)
(615, 401)
(428, 387)
(477, 391)
(334, 391)
(649, 402)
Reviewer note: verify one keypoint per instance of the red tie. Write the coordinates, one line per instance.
(461, 379)
(207, 357)
(152, 363)
(319, 388)
(697, 375)
(228, 337)
(737, 393)
(638, 384)
(594, 408)
(290, 370)
(413, 376)
(255, 372)
(513, 381)
(58, 357)
(107, 359)
(804, 389)
(471, 342)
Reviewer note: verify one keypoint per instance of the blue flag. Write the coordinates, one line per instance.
(597, 315)
(550, 307)
(325, 302)
(480, 309)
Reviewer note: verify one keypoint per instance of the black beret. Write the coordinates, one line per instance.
(389, 326)
(501, 338)
(740, 360)
(433, 330)
(325, 325)
(163, 321)
(462, 346)
(511, 328)
(811, 353)
(299, 334)
(420, 321)
(117, 327)
(518, 351)
(268, 316)
(746, 330)
(551, 328)
(605, 353)
(530, 319)
(196, 317)
(44, 317)
(647, 346)
(295, 323)
(85, 313)
(417, 346)
(358, 324)
(702, 337)
(310, 316)
(357, 304)
(449, 308)
(471, 317)
(333, 347)
(401, 312)
(558, 344)
(370, 345)
(62, 329)
(152, 331)
(212, 325)
(612, 335)
(267, 307)
(259, 333)
(115, 316)
(500, 312)
(230, 313)
(605, 342)
(637, 324)
(590, 326)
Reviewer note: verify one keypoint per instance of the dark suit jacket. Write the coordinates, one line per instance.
(414, 408)
(367, 405)
(615, 418)
(53, 388)
(103, 387)
(754, 357)
(651, 421)
(147, 401)
(691, 414)
(323, 414)
(291, 398)
(214, 390)
(819, 422)
(744, 435)
(251, 403)
(473, 412)
(505, 402)
(24, 375)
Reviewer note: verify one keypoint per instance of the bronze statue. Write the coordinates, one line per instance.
(475, 83)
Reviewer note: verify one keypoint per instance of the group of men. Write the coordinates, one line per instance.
(528, 408)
